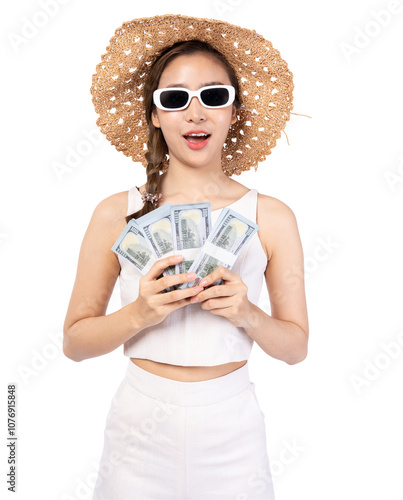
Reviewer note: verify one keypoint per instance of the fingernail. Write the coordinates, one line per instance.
(177, 257)
(203, 283)
(198, 289)
(194, 299)
(191, 276)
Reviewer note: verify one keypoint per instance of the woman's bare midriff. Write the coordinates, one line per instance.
(187, 373)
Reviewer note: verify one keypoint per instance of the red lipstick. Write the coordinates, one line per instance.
(196, 139)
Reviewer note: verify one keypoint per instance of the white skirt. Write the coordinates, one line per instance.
(166, 439)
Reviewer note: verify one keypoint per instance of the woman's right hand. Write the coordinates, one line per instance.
(154, 306)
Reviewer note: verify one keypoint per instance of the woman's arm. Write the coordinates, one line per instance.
(88, 332)
(283, 334)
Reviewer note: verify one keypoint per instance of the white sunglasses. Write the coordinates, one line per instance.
(177, 98)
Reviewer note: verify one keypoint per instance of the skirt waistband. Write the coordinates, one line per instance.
(180, 393)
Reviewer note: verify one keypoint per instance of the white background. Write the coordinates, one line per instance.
(342, 174)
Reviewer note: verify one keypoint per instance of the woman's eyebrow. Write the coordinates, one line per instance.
(202, 85)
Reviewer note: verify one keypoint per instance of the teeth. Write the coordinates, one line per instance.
(197, 135)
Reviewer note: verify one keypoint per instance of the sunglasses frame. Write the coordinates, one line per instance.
(191, 93)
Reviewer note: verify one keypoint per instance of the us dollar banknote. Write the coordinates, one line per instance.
(134, 247)
(156, 226)
(230, 234)
(191, 227)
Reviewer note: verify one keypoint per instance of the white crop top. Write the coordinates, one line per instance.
(190, 335)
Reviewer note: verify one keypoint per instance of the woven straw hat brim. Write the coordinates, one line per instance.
(266, 85)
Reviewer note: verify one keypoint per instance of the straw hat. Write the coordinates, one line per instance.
(264, 78)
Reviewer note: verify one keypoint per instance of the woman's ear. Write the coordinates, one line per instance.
(233, 117)
(154, 119)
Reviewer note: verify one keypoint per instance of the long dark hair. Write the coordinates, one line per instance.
(157, 152)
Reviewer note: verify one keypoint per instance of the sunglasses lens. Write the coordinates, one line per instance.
(215, 97)
(174, 99)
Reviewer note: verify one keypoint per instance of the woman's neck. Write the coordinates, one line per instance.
(196, 183)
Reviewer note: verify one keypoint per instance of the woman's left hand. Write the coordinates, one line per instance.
(229, 300)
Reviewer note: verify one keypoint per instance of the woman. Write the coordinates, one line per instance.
(185, 421)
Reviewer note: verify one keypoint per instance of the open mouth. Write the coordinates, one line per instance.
(196, 138)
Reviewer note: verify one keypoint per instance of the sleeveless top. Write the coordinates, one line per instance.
(190, 335)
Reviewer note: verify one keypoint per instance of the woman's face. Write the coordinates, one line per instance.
(193, 72)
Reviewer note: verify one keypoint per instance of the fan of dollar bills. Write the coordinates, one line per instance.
(185, 229)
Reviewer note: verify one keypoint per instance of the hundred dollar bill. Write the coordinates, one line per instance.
(191, 226)
(132, 246)
(157, 228)
(135, 248)
(230, 234)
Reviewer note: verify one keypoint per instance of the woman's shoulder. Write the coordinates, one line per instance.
(273, 207)
(111, 212)
(275, 219)
(115, 204)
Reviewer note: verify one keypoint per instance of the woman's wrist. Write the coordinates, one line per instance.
(132, 319)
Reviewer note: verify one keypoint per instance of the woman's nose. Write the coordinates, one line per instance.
(195, 111)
